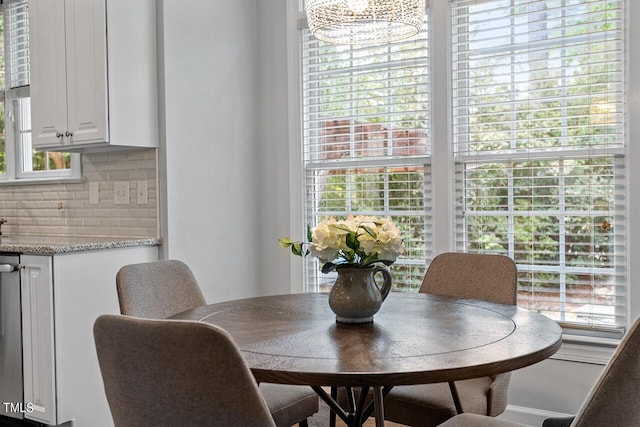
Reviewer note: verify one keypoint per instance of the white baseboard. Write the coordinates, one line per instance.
(529, 416)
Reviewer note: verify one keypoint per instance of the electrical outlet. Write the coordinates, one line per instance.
(94, 193)
(142, 198)
(121, 193)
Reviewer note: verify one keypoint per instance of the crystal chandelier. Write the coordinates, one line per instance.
(364, 22)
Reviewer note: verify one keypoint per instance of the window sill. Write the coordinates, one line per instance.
(593, 350)
(38, 181)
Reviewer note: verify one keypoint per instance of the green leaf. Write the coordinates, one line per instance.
(349, 256)
(370, 259)
(309, 233)
(328, 267)
(285, 242)
(296, 248)
(352, 241)
(369, 231)
(340, 227)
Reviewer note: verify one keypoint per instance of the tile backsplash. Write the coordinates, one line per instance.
(65, 209)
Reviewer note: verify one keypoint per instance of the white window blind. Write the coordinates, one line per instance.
(17, 22)
(539, 134)
(366, 142)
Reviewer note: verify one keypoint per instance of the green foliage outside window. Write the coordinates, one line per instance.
(51, 161)
(399, 193)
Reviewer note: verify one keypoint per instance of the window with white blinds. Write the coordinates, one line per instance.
(538, 134)
(366, 142)
(18, 160)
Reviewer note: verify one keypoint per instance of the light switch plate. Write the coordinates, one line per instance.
(121, 192)
(142, 198)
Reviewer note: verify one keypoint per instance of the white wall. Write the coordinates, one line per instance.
(553, 387)
(273, 148)
(208, 156)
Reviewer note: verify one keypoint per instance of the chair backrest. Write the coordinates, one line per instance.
(481, 276)
(613, 400)
(175, 373)
(157, 290)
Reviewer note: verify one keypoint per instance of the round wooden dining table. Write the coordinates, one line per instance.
(415, 338)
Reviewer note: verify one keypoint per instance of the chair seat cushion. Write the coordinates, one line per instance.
(289, 404)
(432, 404)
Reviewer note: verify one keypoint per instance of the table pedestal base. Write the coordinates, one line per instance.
(358, 412)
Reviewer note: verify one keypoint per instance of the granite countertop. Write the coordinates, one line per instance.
(64, 244)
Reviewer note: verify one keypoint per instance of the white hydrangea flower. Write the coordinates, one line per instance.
(381, 237)
(358, 239)
(325, 241)
(390, 241)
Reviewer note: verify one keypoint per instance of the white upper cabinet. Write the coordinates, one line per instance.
(93, 74)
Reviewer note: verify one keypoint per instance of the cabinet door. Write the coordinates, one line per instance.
(48, 72)
(38, 338)
(86, 41)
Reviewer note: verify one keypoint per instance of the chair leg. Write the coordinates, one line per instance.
(332, 415)
(456, 397)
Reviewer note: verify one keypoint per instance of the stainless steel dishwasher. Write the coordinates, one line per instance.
(11, 385)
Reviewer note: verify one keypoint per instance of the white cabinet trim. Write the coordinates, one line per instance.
(38, 354)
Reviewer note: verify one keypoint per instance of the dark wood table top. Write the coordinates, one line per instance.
(414, 339)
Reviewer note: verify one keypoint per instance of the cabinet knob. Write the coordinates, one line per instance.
(59, 135)
(68, 134)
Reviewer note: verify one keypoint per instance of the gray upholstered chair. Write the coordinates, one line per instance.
(465, 275)
(158, 290)
(175, 373)
(612, 401)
